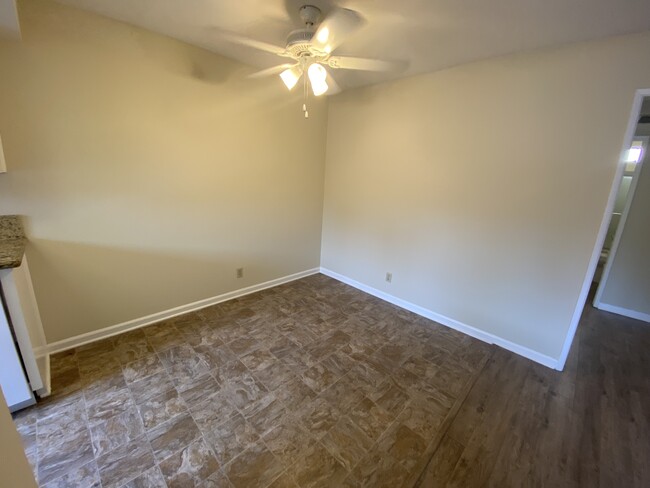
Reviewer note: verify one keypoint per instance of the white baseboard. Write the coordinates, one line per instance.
(44, 368)
(633, 314)
(113, 330)
(449, 322)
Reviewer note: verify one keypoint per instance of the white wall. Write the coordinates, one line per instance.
(627, 288)
(482, 188)
(149, 170)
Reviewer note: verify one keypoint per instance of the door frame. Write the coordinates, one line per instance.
(604, 225)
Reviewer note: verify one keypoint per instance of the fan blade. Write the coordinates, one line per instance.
(275, 70)
(340, 24)
(333, 86)
(255, 44)
(364, 64)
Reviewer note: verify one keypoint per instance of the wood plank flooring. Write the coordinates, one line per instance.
(525, 425)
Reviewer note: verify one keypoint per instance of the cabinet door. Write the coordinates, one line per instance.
(14, 383)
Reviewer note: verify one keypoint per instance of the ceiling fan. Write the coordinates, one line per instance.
(310, 49)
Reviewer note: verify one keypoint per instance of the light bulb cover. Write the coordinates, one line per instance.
(291, 76)
(323, 35)
(317, 76)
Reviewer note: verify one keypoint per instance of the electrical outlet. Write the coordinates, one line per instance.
(240, 272)
(389, 277)
(3, 163)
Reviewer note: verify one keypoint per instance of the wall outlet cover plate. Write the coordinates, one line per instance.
(3, 163)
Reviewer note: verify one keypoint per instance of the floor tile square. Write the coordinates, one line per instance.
(189, 466)
(69, 453)
(125, 463)
(159, 409)
(255, 467)
(316, 467)
(230, 438)
(116, 431)
(173, 435)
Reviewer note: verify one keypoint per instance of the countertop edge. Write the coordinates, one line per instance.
(12, 241)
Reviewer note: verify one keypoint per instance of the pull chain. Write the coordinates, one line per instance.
(305, 93)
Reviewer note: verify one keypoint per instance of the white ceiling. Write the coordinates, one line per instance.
(426, 35)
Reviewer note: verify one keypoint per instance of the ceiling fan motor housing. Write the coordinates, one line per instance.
(299, 42)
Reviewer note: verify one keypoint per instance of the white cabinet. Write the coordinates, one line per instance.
(21, 312)
(13, 381)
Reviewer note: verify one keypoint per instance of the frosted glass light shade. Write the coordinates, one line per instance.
(291, 76)
(317, 77)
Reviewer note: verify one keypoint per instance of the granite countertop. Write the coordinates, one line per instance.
(12, 241)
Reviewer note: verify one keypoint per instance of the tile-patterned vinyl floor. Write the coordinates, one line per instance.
(312, 383)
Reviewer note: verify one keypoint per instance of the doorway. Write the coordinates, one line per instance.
(639, 115)
(633, 161)
(622, 286)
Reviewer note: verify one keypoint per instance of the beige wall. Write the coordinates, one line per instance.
(628, 281)
(149, 170)
(15, 470)
(482, 188)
